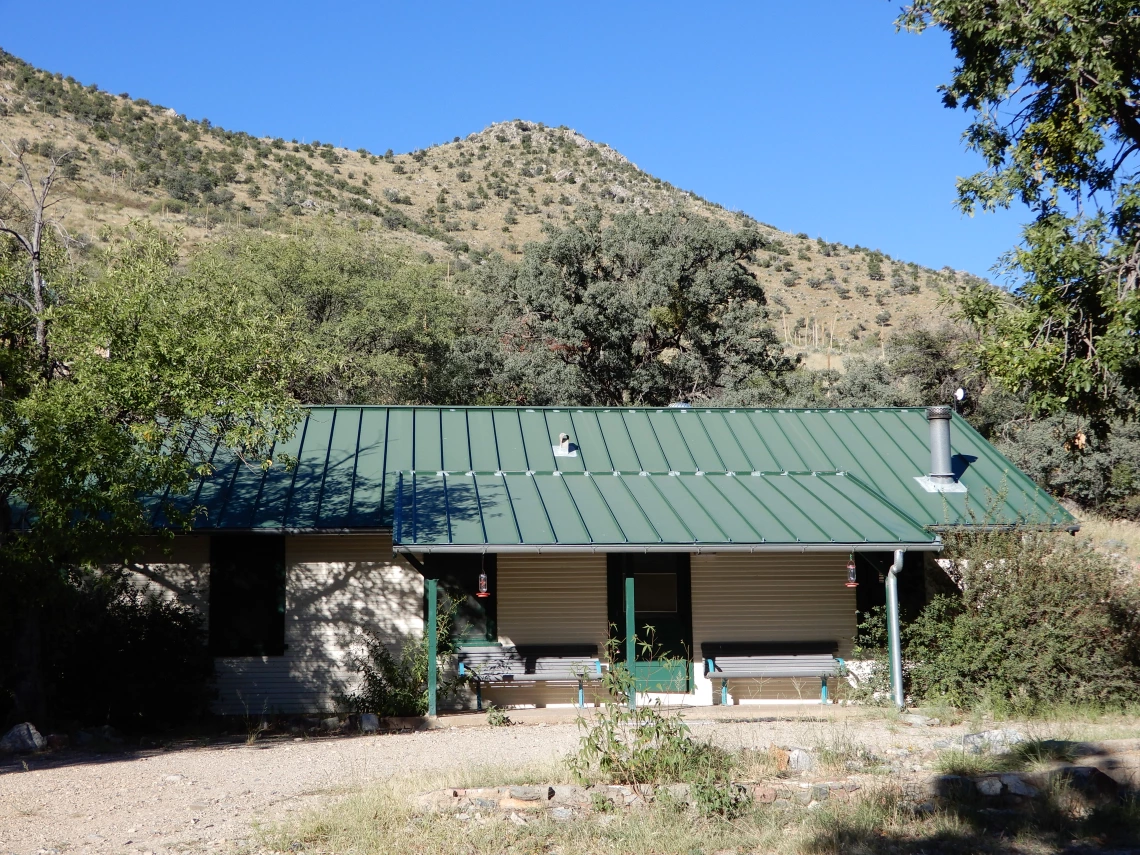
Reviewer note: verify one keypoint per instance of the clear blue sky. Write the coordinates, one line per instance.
(814, 117)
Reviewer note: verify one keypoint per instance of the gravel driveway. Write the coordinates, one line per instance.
(211, 798)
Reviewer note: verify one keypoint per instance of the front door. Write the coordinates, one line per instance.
(663, 617)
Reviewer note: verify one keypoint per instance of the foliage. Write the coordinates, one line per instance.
(497, 718)
(1052, 88)
(120, 656)
(645, 745)
(143, 372)
(372, 325)
(396, 685)
(649, 310)
(1040, 617)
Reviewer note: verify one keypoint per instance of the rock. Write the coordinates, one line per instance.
(820, 792)
(561, 814)
(989, 786)
(369, 722)
(1018, 786)
(780, 756)
(915, 720)
(517, 820)
(437, 800)
(531, 794)
(21, 739)
(994, 741)
(172, 779)
(330, 723)
(679, 793)
(109, 733)
(802, 797)
(1085, 787)
(518, 804)
(800, 760)
(764, 794)
(570, 794)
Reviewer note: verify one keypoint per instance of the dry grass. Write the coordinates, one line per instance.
(381, 820)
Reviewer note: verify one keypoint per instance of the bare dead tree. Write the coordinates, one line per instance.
(25, 204)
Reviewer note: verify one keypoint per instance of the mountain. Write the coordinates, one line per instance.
(488, 192)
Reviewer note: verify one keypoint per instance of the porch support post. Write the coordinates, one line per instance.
(894, 644)
(431, 590)
(630, 640)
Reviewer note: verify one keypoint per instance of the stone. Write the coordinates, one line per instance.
(330, 723)
(764, 794)
(570, 794)
(1019, 787)
(915, 720)
(679, 793)
(800, 760)
(518, 804)
(21, 739)
(802, 797)
(562, 814)
(820, 793)
(517, 820)
(109, 733)
(994, 741)
(780, 756)
(989, 786)
(369, 722)
(532, 794)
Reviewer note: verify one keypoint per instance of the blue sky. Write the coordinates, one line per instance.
(814, 117)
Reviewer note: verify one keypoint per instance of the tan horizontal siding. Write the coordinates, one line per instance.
(773, 597)
(335, 587)
(176, 569)
(549, 599)
(552, 599)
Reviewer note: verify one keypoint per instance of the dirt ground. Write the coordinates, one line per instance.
(212, 798)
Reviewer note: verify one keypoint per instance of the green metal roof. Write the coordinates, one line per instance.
(613, 511)
(351, 461)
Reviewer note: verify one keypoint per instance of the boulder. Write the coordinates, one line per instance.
(989, 786)
(369, 722)
(21, 739)
(800, 760)
(993, 741)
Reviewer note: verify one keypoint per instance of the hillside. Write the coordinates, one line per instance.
(488, 192)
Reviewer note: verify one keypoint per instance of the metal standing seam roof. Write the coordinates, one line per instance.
(353, 462)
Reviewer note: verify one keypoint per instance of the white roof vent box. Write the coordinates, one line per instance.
(565, 447)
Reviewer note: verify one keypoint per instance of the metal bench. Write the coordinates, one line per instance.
(545, 663)
(726, 661)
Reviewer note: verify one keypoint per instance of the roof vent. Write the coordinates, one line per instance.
(941, 478)
(681, 405)
(565, 447)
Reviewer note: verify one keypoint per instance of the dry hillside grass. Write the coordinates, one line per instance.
(488, 192)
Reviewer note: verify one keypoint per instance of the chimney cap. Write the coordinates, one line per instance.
(939, 412)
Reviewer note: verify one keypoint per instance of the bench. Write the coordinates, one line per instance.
(538, 663)
(726, 661)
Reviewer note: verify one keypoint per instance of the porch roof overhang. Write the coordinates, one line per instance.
(575, 512)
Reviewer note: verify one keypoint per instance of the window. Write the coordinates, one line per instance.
(247, 595)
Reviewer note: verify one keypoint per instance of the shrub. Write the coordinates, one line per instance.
(1041, 619)
(646, 745)
(114, 654)
(392, 685)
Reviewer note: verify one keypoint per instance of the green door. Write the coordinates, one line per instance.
(663, 617)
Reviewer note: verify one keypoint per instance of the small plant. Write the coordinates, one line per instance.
(640, 744)
(497, 718)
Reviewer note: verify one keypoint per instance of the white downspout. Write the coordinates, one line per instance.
(894, 644)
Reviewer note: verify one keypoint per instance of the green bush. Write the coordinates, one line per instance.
(392, 685)
(1041, 619)
(647, 745)
(113, 654)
